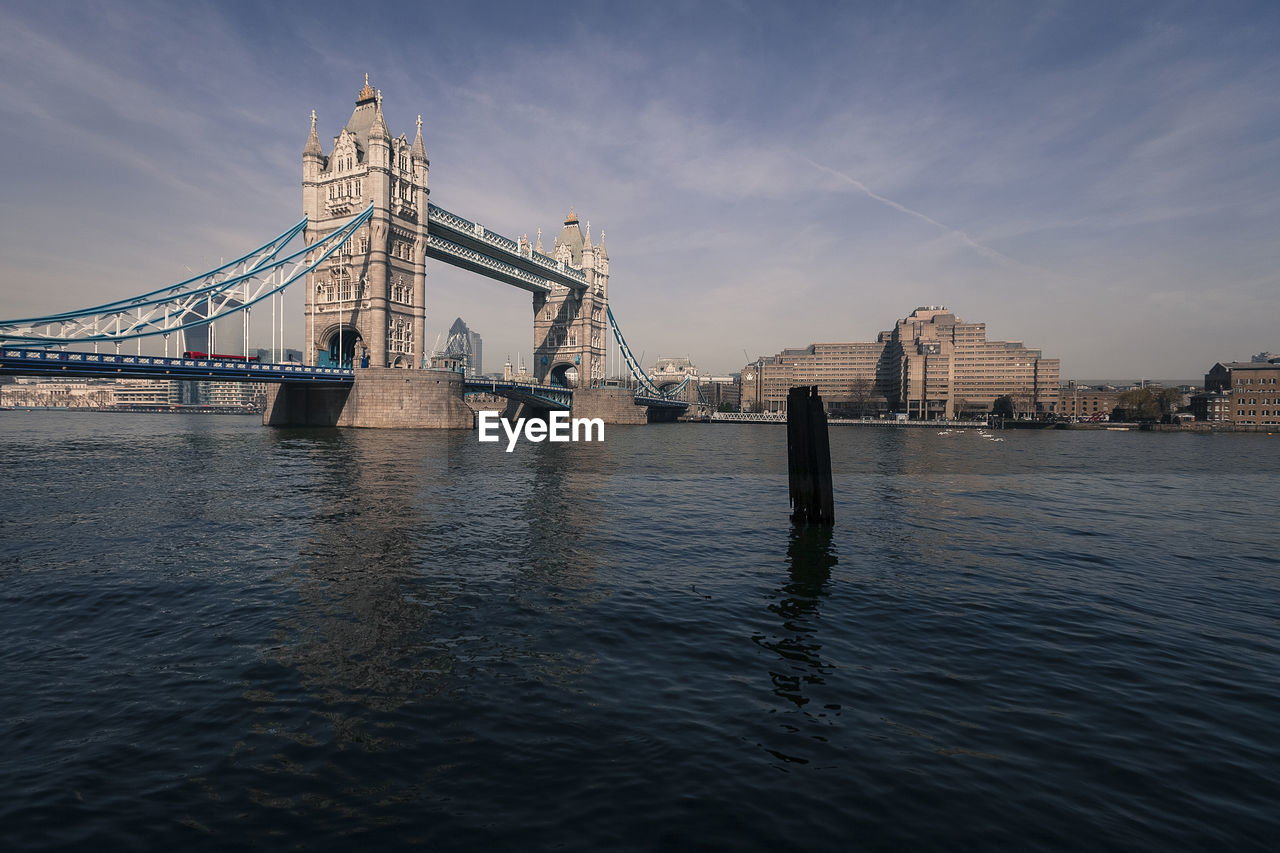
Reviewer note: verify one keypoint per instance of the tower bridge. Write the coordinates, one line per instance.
(367, 233)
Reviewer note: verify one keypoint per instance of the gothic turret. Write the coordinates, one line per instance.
(313, 148)
(588, 253)
(419, 151)
(602, 261)
(312, 154)
(379, 137)
(378, 130)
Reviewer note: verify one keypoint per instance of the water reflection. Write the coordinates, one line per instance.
(433, 562)
(810, 557)
(561, 512)
(359, 632)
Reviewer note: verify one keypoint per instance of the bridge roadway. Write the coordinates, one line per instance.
(16, 361)
(41, 362)
(552, 396)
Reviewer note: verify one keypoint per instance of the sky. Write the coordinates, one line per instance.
(1098, 180)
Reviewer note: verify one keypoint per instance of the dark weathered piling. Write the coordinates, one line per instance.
(809, 458)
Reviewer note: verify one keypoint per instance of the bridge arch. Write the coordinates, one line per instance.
(564, 373)
(340, 345)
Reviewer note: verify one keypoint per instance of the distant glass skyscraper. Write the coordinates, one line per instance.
(465, 345)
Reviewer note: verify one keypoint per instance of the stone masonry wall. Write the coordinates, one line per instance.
(380, 398)
(613, 405)
(301, 405)
(387, 398)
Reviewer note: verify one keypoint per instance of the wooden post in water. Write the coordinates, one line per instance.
(809, 458)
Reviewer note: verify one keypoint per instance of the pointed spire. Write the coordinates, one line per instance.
(572, 218)
(379, 128)
(601, 250)
(538, 248)
(419, 150)
(366, 94)
(313, 148)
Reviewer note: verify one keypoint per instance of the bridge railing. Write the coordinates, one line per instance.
(555, 395)
(440, 245)
(474, 229)
(751, 417)
(14, 359)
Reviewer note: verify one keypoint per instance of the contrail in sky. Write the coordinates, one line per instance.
(902, 208)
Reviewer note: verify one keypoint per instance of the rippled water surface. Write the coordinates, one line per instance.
(215, 634)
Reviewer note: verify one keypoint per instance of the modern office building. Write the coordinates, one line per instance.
(720, 392)
(466, 347)
(930, 365)
(142, 392)
(476, 366)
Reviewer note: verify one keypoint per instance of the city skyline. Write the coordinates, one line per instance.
(1099, 185)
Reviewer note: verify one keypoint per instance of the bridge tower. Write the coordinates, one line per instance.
(371, 294)
(569, 326)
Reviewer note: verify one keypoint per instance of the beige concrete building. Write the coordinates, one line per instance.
(948, 368)
(930, 365)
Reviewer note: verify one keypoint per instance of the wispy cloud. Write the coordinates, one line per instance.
(984, 250)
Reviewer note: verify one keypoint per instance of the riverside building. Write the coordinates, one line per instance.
(1249, 391)
(1087, 403)
(930, 365)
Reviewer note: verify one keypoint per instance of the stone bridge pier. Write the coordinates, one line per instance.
(379, 397)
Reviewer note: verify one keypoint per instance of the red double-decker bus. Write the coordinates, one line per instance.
(195, 354)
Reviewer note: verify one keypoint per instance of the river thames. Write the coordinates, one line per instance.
(215, 634)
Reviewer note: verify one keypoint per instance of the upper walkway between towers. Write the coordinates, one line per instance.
(461, 242)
